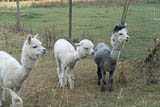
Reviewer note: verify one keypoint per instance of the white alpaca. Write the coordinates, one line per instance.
(12, 74)
(66, 57)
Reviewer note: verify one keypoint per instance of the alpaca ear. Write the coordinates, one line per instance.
(117, 25)
(35, 37)
(77, 44)
(125, 25)
(29, 39)
(116, 28)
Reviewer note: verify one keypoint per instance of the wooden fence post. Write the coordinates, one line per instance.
(70, 19)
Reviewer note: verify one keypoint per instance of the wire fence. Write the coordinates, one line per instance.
(143, 24)
(94, 22)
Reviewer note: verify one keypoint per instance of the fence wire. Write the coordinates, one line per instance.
(143, 21)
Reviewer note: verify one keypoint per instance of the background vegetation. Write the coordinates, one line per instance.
(94, 21)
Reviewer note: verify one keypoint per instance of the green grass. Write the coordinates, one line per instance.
(37, 90)
(95, 21)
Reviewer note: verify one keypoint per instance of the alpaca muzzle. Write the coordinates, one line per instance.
(93, 52)
(127, 39)
(44, 51)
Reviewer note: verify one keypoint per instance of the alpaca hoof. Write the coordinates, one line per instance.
(61, 85)
(110, 90)
(71, 87)
(103, 85)
(16, 105)
(71, 84)
(103, 88)
(1, 103)
(98, 82)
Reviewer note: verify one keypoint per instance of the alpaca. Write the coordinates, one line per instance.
(66, 58)
(106, 59)
(12, 74)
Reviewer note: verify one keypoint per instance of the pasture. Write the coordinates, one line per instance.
(96, 23)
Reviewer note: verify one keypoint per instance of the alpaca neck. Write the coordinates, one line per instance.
(77, 56)
(23, 72)
(28, 62)
(115, 53)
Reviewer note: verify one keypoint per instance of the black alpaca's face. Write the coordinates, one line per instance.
(119, 35)
(122, 35)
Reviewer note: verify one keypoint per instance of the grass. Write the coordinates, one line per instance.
(96, 22)
(41, 88)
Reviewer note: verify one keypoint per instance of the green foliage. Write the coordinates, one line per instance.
(96, 21)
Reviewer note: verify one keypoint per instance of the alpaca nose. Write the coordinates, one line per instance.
(44, 51)
(127, 38)
(93, 52)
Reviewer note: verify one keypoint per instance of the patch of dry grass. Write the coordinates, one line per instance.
(41, 88)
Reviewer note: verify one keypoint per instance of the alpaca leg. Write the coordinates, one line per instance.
(62, 76)
(66, 75)
(16, 104)
(99, 74)
(15, 97)
(71, 78)
(58, 73)
(58, 70)
(18, 93)
(13, 101)
(111, 80)
(1, 103)
(103, 81)
(3, 95)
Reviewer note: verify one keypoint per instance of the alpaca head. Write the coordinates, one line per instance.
(85, 48)
(33, 47)
(119, 36)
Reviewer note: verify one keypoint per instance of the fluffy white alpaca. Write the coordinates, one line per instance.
(12, 74)
(66, 57)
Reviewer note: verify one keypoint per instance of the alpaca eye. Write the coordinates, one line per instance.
(86, 48)
(121, 34)
(34, 46)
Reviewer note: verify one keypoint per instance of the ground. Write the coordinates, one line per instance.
(41, 88)
(96, 23)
